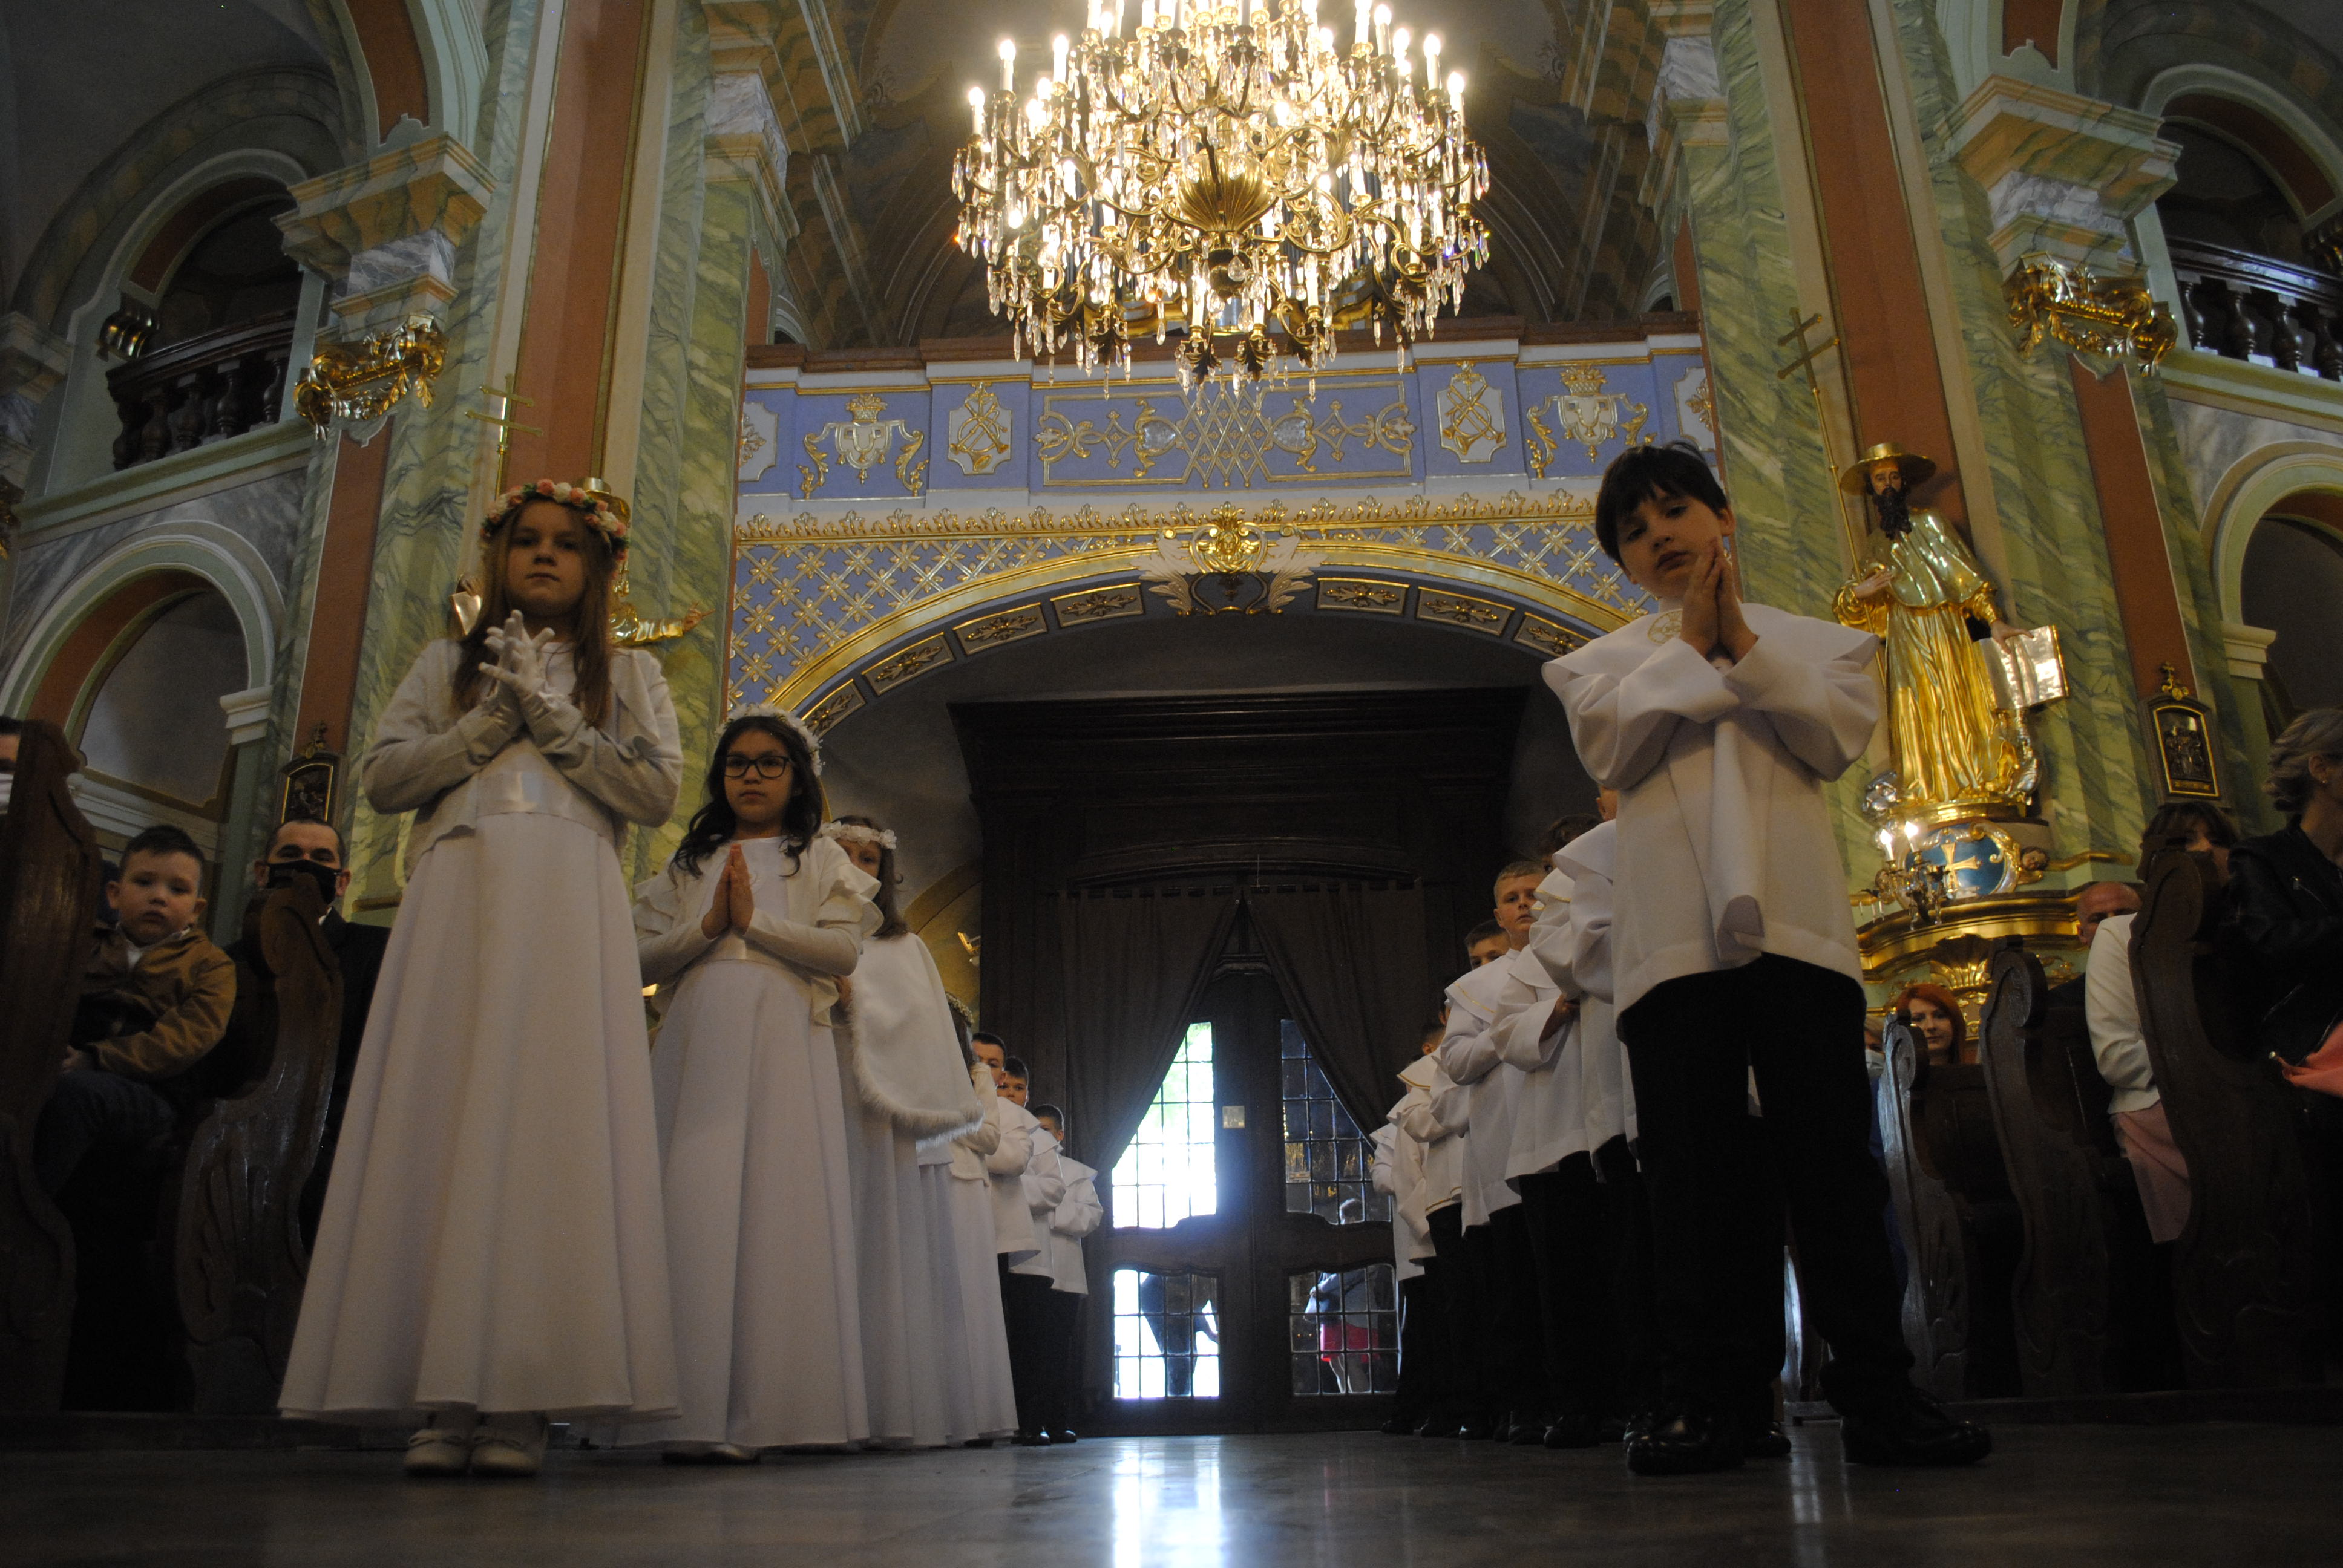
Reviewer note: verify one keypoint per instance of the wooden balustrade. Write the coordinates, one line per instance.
(207, 389)
(2241, 306)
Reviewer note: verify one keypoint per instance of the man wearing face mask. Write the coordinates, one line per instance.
(304, 848)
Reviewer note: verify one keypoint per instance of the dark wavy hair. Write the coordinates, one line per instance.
(713, 825)
(891, 922)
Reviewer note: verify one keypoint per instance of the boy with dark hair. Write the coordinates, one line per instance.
(1733, 950)
(155, 1000)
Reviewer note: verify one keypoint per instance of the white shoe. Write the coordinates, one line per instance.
(510, 1445)
(711, 1453)
(443, 1448)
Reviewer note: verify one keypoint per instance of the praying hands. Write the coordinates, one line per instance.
(734, 905)
(520, 666)
(1713, 622)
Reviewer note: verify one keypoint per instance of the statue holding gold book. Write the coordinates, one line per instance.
(1958, 676)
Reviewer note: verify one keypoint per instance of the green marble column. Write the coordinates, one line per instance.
(689, 443)
(426, 512)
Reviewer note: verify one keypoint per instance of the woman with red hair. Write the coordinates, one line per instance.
(1935, 1018)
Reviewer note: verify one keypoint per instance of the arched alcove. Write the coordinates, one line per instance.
(151, 721)
(2293, 585)
(2223, 195)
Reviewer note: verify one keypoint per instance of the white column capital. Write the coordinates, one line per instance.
(247, 714)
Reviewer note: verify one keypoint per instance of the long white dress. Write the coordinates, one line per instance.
(492, 1236)
(753, 1131)
(901, 1061)
(979, 1398)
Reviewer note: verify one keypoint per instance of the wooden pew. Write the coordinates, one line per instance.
(2092, 1310)
(241, 1259)
(51, 876)
(1958, 1220)
(2244, 1273)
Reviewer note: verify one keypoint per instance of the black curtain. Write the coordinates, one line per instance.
(1136, 962)
(1350, 962)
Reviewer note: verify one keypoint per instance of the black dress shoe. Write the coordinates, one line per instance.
(1573, 1429)
(1527, 1430)
(1030, 1439)
(1682, 1443)
(1475, 1429)
(1401, 1426)
(977, 1442)
(1063, 1434)
(1910, 1428)
(1765, 1441)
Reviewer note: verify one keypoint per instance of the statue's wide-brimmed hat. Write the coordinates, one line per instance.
(1915, 470)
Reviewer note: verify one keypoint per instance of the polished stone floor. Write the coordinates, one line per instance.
(2071, 1495)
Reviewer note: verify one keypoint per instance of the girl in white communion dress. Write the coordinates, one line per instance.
(747, 934)
(492, 1250)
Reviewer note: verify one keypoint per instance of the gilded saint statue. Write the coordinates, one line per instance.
(1958, 745)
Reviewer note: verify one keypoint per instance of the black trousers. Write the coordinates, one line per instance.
(1061, 1347)
(1634, 1382)
(1463, 1312)
(1422, 1346)
(1025, 1309)
(1512, 1357)
(1569, 1242)
(1713, 1172)
(92, 1111)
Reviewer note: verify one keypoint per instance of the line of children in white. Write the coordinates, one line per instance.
(770, 1230)
(1662, 1069)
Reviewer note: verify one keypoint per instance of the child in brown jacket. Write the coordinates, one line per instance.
(155, 1000)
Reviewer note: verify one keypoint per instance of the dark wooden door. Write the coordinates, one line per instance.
(1238, 1316)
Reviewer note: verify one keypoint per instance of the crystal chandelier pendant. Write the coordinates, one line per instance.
(1224, 175)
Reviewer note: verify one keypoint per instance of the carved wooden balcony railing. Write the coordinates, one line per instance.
(206, 389)
(2242, 306)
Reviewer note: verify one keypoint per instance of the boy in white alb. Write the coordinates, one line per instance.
(1514, 1367)
(1078, 1214)
(1422, 1335)
(1734, 951)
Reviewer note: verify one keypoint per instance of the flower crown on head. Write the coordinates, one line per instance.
(856, 833)
(782, 716)
(597, 512)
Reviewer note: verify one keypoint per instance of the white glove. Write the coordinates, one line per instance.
(520, 665)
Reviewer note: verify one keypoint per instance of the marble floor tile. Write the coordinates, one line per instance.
(2073, 1496)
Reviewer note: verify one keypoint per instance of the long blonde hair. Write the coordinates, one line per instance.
(590, 623)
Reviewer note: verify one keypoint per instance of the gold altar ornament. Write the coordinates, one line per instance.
(360, 381)
(630, 627)
(2094, 312)
(1223, 171)
(1957, 748)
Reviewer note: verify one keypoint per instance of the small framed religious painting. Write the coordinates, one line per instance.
(2184, 744)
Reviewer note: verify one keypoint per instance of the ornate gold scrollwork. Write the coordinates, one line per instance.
(361, 380)
(2083, 309)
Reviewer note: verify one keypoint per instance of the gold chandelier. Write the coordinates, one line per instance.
(1223, 172)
